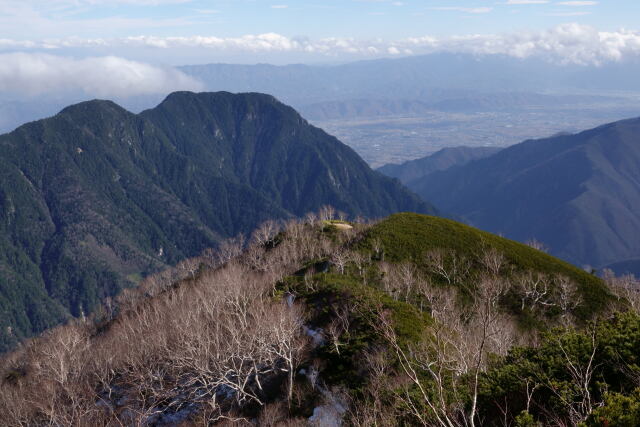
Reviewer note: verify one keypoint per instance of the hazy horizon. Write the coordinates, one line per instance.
(107, 48)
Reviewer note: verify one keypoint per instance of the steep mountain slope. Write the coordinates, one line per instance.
(328, 323)
(96, 197)
(268, 147)
(438, 161)
(578, 194)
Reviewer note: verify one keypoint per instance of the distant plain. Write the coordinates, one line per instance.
(397, 138)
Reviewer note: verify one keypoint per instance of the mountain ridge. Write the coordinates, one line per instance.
(327, 322)
(96, 197)
(440, 160)
(575, 193)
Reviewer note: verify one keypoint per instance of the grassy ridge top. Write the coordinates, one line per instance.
(409, 237)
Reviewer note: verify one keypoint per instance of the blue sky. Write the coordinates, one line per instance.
(45, 41)
(390, 19)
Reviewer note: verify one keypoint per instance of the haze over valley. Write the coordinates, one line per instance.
(395, 110)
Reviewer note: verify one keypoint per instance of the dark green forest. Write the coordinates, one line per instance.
(96, 198)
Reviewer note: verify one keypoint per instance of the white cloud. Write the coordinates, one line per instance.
(465, 9)
(262, 42)
(577, 3)
(527, 1)
(206, 11)
(37, 73)
(279, 6)
(564, 14)
(567, 43)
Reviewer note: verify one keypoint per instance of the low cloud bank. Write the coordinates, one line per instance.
(109, 76)
(568, 43)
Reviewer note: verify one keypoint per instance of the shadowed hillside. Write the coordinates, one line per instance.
(441, 160)
(578, 194)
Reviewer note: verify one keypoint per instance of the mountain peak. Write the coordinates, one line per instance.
(181, 97)
(94, 106)
(225, 106)
(118, 195)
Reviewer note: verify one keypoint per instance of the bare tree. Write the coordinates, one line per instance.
(487, 318)
(569, 296)
(537, 245)
(534, 289)
(286, 325)
(229, 249)
(378, 249)
(189, 266)
(213, 343)
(339, 325)
(265, 233)
(340, 258)
(255, 257)
(626, 287)
(442, 301)
(492, 260)
(407, 278)
(327, 213)
(311, 218)
(360, 261)
(458, 346)
(448, 265)
(582, 403)
(400, 281)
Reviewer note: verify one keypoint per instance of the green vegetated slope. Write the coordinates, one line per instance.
(96, 197)
(435, 343)
(578, 194)
(409, 237)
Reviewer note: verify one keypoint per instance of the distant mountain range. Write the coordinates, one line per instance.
(96, 197)
(440, 81)
(430, 78)
(446, 158)
(578, 194)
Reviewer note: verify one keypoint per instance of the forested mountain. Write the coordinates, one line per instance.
(578, 194)
(440, 160)
(415, 320)
(96, 197)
